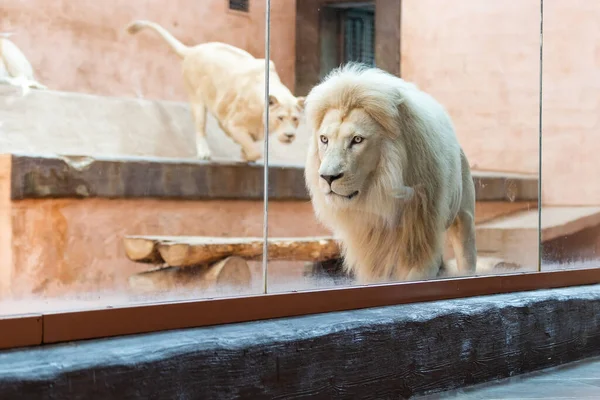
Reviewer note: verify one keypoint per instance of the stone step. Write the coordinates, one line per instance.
(516, 234)
(35, 176)
(65, 123)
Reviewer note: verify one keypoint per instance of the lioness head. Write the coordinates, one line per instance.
(284, 117)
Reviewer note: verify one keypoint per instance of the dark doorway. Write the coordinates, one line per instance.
(357, 33)
(330, 33)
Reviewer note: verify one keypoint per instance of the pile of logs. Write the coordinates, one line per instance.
(210, 261)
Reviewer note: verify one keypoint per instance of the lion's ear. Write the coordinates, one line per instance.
(301, 101)
(273, 101)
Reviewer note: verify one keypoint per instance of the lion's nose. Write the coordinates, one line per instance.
(330, 178)
(290, 135)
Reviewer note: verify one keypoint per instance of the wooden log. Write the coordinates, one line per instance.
(142, 250)
(228, 272)
(190, 251)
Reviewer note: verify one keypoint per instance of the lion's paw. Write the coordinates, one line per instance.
(203, 154)
(202, 150)
(251, 155)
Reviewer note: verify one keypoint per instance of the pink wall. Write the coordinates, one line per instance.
(571, 102)
(81, 45)
(481, 60)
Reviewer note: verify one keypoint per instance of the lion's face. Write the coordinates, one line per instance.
(349, 150)
(284, 117)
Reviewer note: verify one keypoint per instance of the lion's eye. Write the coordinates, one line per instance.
(357, 139)
(324, 139)
(280, 118)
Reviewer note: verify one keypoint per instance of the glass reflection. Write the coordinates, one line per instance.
(481, 62)
(570, 193)
(131, 138)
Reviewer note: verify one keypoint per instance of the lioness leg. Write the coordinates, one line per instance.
(22, 83)
(242, 137)
(199, 113)
(462, 238)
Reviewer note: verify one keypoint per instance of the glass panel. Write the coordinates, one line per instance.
(383, 159)
(571, 98)
(106, 135)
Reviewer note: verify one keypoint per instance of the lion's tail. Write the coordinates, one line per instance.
(179, 48)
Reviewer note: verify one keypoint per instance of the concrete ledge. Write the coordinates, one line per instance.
(35, 177)
(390, 352)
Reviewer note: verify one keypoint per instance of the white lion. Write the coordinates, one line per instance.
(387, 175)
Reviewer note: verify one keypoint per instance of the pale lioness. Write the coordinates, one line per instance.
(15, 68)
(230, 83)
(387, 175)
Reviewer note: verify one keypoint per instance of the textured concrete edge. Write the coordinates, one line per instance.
(396, 351)
(43, 177)
(39, 177)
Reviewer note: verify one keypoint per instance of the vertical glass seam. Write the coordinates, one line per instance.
(266, 149)
(540, 155)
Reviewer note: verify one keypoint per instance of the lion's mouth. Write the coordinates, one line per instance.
(287, 138)
(348, 197)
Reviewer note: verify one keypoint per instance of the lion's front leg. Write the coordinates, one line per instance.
(241, 136)
(252, 155)
(425, 272)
